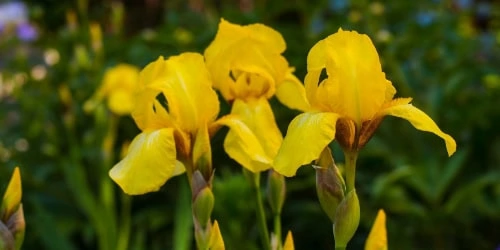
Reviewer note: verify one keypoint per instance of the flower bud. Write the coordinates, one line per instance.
(276, 191)
(216, 242)
(12, 197)
(346, 219)
(202, 206)
(12, 224)
(329, 184)
(289, 245)
(6, 239)
(377, 239)
(95, 37)
(202, 153)
(17, 226)
(203, 200)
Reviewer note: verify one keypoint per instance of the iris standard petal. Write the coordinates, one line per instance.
(292, 93)
(311, 87)
(188, 91)
(358, 85)
(308, 134)
(150, 162)
(419, 120)
(268, 36)
(377, 239)
(242, 145)
(246, 69)
(316, 62)
(252, 52)
(153, 75)
(148, 113)
(228, 33)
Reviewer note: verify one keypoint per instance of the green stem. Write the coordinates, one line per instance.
(350, 169)
(107, 197)
(277, 230)
(261, 216)
(339, 248)
(183, 222)
(124, 229)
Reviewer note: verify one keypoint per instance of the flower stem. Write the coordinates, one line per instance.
(350, 169)
(124, 229)
(261, 216)
(277, 230)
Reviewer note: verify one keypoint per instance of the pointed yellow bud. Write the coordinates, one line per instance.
(377, 239)
(289, 242)
(216, 241)
(12, 196)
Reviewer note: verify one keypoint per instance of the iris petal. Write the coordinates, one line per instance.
(242, 145)
(150, 162)
(308, 134)
(186, 86)
(356, 74)
(191, 100)
(202, 151)
(253, 49)
(258, 116)
(420, 121)
(229, 33)
(292, 93)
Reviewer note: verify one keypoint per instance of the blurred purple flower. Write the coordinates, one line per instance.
(26, 32)
(15, 14)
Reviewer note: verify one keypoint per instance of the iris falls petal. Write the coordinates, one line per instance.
(150, 162)
(308, 134)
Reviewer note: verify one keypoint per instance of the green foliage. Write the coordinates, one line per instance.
(444, 54)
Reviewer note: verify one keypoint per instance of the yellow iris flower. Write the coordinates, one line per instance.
(176, 110)
(118, 87)
(248, 68)
(348, 105)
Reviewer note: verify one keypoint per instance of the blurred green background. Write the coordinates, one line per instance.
(443, 53)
